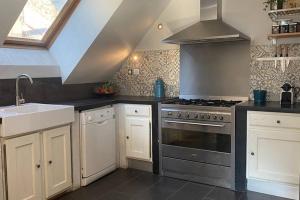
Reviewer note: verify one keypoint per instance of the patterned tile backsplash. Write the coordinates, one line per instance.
(165, 64)
(264, 75)
(151, 65)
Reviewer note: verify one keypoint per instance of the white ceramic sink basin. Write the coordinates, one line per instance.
(33, 117)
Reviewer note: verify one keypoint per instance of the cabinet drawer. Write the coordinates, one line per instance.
(272, 119)
(138, 110)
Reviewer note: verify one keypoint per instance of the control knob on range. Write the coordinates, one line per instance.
(208, 116)
(202, 116)
(187, 116)
(221, 118)
(196, 116)
(179, 115)
(215, 117)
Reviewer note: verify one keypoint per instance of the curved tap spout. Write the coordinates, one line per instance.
(19, 100)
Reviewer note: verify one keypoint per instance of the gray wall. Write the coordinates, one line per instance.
(44, 90)
(220, 69)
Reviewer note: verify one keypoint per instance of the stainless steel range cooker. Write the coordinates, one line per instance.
(197, 141)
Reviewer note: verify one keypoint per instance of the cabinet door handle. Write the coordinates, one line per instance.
(38, 166)
(252, 154)
(278, 121)
(127, 137)
(136, 111)
(50, 162)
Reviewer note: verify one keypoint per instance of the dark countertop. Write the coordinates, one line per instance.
(86, 104)
(272, 106)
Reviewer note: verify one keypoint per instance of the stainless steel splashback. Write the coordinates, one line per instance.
(215, 69)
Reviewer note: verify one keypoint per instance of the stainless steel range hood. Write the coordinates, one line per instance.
(210, 29)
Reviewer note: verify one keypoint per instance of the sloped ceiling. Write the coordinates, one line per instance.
(123, 30)
(9, 12)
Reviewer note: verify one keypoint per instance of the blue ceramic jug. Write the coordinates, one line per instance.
(159, 88)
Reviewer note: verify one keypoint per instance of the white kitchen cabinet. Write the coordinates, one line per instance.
(273, 153)
(57, 160)
(24, 173)
(38, 165)
(138, 132)
(138, 138)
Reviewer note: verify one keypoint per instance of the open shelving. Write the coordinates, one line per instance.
(290, 13)
(284, 61)
(283, 13)
(283, 35)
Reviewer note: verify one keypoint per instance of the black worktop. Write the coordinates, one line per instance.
(271, 106)
(86, 104)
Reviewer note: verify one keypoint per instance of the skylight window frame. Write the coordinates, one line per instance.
(51, 33)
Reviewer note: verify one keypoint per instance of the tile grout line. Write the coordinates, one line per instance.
(171, 195)
(214, 187)
(150, 186)
(147, 188)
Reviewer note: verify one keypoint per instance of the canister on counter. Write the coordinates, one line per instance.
(292, 27)
(284, 26)
(275, 29)
(298, 27)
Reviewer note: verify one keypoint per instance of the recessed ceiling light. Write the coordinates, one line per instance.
(135, 57)
(160, 26)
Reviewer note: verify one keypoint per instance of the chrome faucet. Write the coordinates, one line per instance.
(21, 100)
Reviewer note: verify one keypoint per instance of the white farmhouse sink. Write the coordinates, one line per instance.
(33, 117)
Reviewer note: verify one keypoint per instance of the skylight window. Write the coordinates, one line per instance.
(40, 21)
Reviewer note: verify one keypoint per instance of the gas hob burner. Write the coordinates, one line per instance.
(204, 102)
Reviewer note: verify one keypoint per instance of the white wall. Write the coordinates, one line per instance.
(247, 16)
(9, 12)
(178, 15)
(80, 32)
(36, 63)
(120, 36)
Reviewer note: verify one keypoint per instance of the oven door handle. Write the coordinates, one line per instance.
(194, 123)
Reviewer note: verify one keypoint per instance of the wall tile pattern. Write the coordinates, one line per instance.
(265, 76)
(152, 65)
(165, 64)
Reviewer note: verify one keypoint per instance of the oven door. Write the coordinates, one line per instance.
(199, 141)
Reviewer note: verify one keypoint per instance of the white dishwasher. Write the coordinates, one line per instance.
(98, 144)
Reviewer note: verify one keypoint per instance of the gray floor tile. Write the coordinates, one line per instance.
(138, 185)
(222, 194)
(258, 196)
(114, 196)
(121, 176)
(161, 190)
(192, 191)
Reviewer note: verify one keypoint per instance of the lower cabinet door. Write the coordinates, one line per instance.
(24, 175)
(274, 155)
(138, 138)
(57, 155)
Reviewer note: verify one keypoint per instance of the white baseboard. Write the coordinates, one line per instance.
(274, 188)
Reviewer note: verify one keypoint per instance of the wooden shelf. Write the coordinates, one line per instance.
(283, 35)
(277, 14)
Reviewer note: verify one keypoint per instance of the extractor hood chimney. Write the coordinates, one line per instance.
(210, 29)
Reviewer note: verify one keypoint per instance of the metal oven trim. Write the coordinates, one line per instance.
(197, 155)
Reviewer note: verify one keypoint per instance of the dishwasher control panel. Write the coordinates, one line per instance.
(97, 115)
